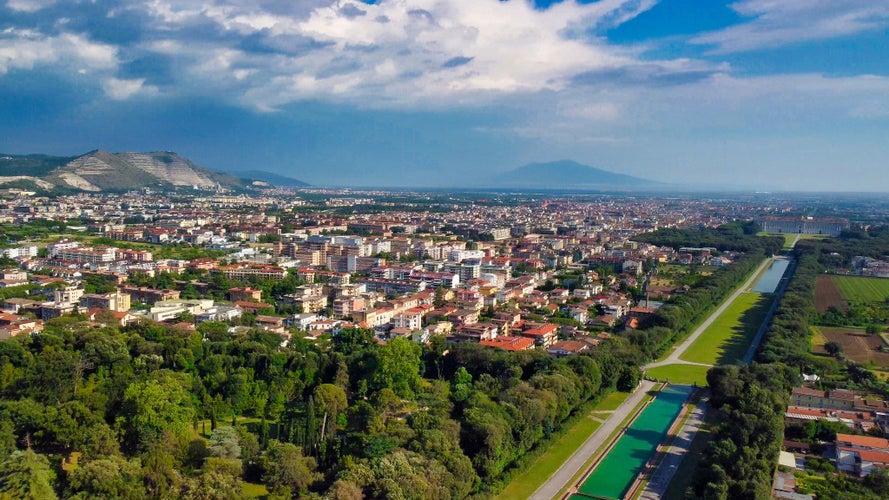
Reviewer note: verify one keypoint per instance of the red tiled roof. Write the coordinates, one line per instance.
(509, 343)
(863, 441)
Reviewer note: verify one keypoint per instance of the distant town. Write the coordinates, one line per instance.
(665, 298)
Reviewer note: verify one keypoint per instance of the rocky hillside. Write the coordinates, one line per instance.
(102, 171)
(105, 171)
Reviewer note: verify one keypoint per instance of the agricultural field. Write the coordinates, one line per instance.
(861, 289)
(852, 300)
(856, 345)
(839, 291)
(828, 295)
(727, 339)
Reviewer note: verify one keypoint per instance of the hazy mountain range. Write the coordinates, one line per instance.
(104, 171)
(568, 174)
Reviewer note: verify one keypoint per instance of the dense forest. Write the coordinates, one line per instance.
(836, 253)
(737, 236)
(150, 410)
(94, 410)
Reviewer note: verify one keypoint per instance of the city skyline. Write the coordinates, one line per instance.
(791, 95)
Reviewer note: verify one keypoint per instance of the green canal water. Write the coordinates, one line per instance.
(614, 476)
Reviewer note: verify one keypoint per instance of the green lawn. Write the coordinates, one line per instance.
(680, 374)
(527, 483)
(611, 401)
(789, 237)
(860, 289)
(727, 339)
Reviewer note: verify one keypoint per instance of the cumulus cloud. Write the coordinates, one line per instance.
(405, 54)
(122, 89)
(29, 5)
(26, 49)
(387, 54)
(779, 22)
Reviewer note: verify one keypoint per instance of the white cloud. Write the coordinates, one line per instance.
(121, 89)
(428, 53)
(29, 5)
(26, 49)
(779, 22)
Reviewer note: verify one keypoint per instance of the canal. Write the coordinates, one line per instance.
(769, 280)
(614, 476)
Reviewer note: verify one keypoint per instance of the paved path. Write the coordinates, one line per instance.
(673, 358)
(575, 462)
(660, 480)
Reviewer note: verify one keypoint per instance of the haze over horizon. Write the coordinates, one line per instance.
(790, 95)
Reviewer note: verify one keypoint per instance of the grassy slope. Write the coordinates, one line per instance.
(728, 338)
(680, 374)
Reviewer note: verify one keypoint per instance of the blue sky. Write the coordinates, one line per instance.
(759, 94)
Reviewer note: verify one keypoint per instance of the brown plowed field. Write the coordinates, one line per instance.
(827, 294)
(857, 345)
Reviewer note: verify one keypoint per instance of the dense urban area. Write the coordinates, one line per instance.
(350, 344)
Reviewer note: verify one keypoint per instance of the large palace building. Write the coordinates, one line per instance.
(832, 226)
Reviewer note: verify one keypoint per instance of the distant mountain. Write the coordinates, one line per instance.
(30, 165)
(567, 174)
(269, 177)
(104, 171)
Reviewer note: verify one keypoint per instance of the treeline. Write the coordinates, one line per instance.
(737, 236)
(750, 401)
(787, 338)
(677, 318)
(837, 252)
(741, 457)
(153, 411)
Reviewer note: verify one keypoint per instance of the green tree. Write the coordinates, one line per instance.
(398, 367)
(220, 480)
(460, 385)
(108, 478)
(224, 443)
(153, 407)
(330, 401)
(287, 469)
(26, 475)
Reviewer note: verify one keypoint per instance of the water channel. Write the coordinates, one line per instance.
(769, 280)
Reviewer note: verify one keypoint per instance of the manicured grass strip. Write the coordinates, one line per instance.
(611, 401)
(860, 289)
(727, 339)
(680, 374)
(548, 463)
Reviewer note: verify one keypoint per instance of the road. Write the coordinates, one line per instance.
(575, 462)
(663, 475)
(673, 358)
